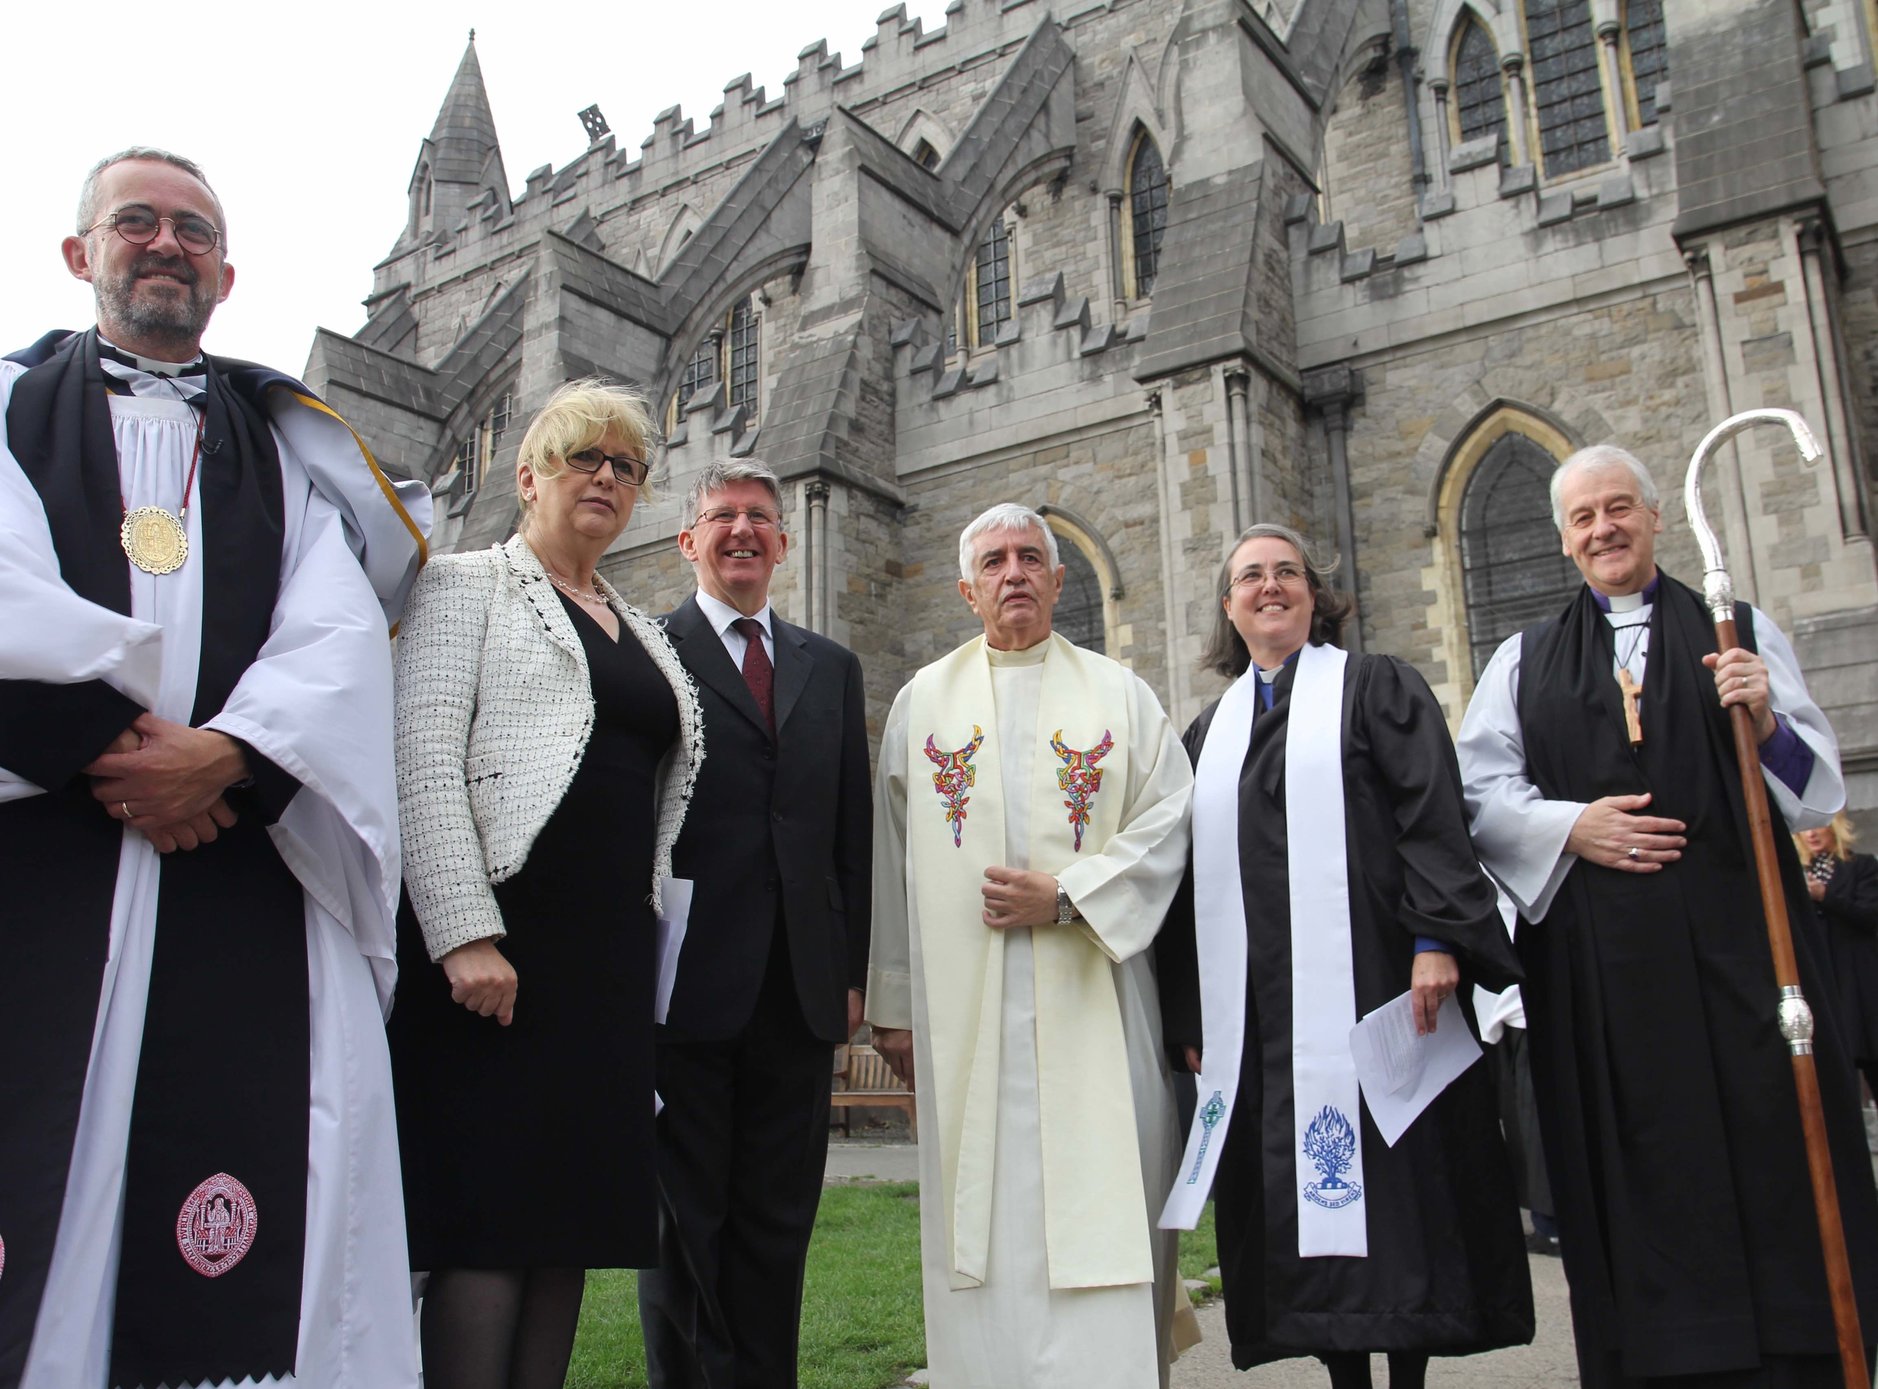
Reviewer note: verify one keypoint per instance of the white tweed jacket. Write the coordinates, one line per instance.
(493, 711)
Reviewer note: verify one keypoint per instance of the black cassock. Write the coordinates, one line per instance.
(1446, 1272)
(1666, 1095)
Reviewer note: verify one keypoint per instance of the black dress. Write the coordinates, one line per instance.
(532, 1145)
(1849, 915)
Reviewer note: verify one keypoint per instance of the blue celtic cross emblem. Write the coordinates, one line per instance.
(1210, 1114)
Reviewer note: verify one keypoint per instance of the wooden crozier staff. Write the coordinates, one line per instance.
(1796, 1018)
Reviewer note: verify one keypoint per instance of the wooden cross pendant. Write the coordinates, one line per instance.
(1633, 725)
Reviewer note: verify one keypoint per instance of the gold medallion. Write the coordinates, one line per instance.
(154, 540)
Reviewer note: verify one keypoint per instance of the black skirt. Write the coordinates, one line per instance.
(532, 1145)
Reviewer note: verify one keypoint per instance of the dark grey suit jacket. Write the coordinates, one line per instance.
(780, 833)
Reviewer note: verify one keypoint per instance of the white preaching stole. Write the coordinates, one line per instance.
(1326, 1120)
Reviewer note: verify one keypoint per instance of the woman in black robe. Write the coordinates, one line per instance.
(1446, 1270)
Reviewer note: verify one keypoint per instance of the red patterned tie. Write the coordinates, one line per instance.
(758, 673)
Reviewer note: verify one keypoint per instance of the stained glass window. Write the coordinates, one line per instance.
(700, 374)
(993, 284)
(740, 377)
(1078, 613)
(1567, 90)
(1512, 571)
(1479, 99)
(1147, 190)
(1649, 53)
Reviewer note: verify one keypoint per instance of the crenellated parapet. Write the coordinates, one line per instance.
(478, 219)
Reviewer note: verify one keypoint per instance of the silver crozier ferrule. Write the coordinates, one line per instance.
(1796, 1020)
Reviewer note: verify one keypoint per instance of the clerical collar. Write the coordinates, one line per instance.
(1628, 602)
(1032, 655)
(154, 366)
(1267, 676)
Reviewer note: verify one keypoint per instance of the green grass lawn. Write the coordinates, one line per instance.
(861, 1322)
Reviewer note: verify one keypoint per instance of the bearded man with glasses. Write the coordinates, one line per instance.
(777, 850)
(199, 563)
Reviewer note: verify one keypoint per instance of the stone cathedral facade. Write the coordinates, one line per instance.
(1160, 268)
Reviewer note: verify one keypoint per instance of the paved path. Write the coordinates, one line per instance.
(1548, 1363)
(872, 1162)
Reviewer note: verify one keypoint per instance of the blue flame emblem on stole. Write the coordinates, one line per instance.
(1330, 1144)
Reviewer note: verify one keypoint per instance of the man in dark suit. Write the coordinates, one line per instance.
(774, 959)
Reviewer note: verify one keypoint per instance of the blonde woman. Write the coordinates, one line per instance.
(547, 742)
(1844, 889)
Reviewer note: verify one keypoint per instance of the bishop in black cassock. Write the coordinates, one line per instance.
(1666, 1097)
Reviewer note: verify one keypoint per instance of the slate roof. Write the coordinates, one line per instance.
(1203, 293)
(464, 138)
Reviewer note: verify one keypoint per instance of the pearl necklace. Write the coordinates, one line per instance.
(570, 590)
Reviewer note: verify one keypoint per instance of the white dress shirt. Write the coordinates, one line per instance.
(720, 615)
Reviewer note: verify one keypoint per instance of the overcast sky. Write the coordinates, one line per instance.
(308, 120)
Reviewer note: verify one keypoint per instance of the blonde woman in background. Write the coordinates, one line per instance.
(1844, 889)
(547, 742)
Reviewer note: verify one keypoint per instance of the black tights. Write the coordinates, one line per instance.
(500, 1328)
(1349, 1369)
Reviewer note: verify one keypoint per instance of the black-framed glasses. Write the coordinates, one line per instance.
(727, 516)
(626, 469)
(138, 226)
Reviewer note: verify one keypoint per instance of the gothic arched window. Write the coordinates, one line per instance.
(700, 374)
(926, 155)
(1078, 615)
(1147, 215)
(1646, 51)
(475, 454)
(1479, 99)
(731, 352)
(1567, 85)
(1512, 571)
(741, 358)
(988, 286)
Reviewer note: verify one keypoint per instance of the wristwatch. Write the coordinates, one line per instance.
(1065, 909)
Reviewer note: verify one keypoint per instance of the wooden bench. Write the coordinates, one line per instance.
(862, 1077)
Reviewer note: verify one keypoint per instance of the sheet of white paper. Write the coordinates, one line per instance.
(675, 893)
(1402, 1073)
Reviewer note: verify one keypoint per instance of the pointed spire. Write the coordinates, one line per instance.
(464, 140)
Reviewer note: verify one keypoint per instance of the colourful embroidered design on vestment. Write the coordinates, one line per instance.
(217, 1225)
(955, 777)
(1080, 777)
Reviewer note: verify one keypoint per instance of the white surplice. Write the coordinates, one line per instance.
(1014, 1329)
(317, 703)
